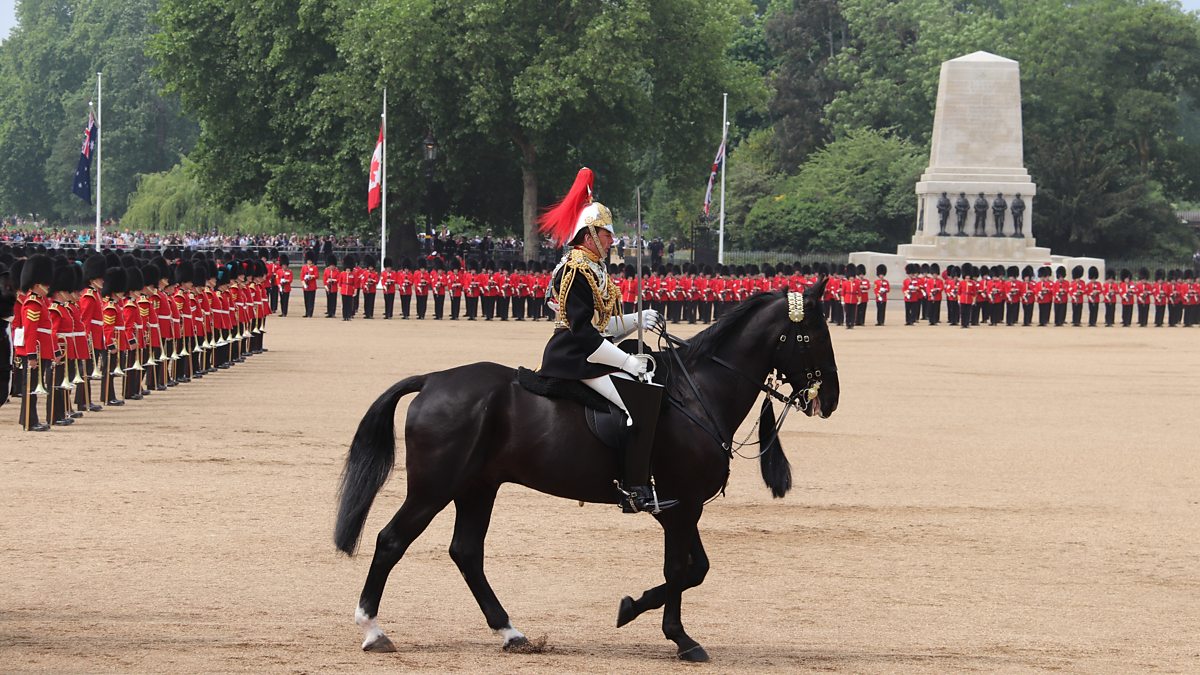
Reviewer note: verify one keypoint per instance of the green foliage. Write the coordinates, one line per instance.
(47, 72)
(174, 201)
(856, 193)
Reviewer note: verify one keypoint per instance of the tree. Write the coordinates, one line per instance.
(856, 193)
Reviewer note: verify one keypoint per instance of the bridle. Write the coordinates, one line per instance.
(798, 344)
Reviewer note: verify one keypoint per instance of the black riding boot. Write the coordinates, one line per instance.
(636, 487)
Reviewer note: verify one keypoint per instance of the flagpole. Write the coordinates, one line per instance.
(724, 154)
(99, 125)
(383, 190)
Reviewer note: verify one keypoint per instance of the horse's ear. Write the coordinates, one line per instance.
(818, 289)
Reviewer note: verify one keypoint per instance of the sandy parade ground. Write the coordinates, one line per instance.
(992, 499)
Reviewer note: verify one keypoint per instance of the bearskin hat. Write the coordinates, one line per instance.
(37, 270)
(387, 263)
(881, 270)
(93, 267)
(1093, 273)
(1126, 275)
(63, 282)
(283, 260)
(1158, 275)
(115, 281)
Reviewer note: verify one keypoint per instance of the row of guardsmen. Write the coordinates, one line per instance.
(484, 289)
(100, 331)
(999, 295)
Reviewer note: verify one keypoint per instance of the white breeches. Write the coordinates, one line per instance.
(603, 385)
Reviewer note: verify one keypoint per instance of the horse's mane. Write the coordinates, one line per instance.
(706, 342)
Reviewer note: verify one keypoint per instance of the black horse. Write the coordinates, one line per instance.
(474, 427)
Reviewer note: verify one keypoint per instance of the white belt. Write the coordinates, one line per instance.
(186, 316)
(118, 327)
(97, 323)
(44, 330)
(221, 311)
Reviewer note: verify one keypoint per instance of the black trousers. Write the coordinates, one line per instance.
(966, 313)
(284, 299)
(1126, 315)
(422, 304)
(1044, 313)
(706, 310)
(997, 313)
(1143, 315)
(862, 314)
(912, 312)
(880, 312)
(347, 307)
(330, 304)
(439, 305)
(472, 308)
(455, 306)
(851, 313)
(502, 308)
(923, 304)
(1174, 314)
(368, 305)
(1014, 313)
(518, 308)
(1159, 311)
(273, 297)
(1110, 313)
(1028, 312)
(1060, 314)
(934, 312)
(405, 303)
(952, 312)
(979, 308)
(489, 307)
(310, 301)
(1076, 314)
(1093, 312)
(536, 303)
(389, 304)
(30, 373)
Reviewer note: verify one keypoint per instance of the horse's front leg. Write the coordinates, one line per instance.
(654, 598)
(680, 535)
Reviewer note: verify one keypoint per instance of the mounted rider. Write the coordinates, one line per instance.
(589, 320)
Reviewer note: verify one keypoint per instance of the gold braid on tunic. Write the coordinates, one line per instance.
(606, 297)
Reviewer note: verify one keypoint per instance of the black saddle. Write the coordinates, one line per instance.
(605, 420)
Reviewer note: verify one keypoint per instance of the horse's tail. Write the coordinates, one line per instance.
(369, 463)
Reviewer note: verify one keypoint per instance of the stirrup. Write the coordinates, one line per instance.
(639, 498)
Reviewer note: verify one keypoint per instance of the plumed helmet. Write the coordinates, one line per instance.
(37, 270)
(115, 280)
(93, 267)
(576, 212)
(881, 270)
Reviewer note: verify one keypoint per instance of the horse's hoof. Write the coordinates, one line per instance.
(517, 644)
(694, 655)
(625, 612)
(380, 645)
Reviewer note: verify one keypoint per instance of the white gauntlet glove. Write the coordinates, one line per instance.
(621, 326)
(610, 355)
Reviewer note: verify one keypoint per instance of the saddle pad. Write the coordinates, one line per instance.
(553, 387)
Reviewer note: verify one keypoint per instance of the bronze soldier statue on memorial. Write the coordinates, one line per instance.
(999, 206)
(961, 206)
(1018, 216)
(943, 208)
(981, 207)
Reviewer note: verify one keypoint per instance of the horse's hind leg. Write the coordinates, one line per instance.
(473, 514)
(681, 535)
(393, 540)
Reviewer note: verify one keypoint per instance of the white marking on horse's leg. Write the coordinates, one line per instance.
(370, 626)
(509, 634)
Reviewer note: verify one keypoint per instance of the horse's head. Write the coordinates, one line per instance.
(804, 353)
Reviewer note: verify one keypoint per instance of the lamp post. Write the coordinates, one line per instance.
(430, 149)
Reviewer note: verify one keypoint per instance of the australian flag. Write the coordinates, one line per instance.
(82, 185)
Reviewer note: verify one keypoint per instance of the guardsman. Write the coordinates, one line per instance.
(967, 288)
(996, 287)
(1028, 295)
(184, 300)
(284, 276)
(686, 284)
(273, 284)
(1145, 296)
(501, 278)
(346, 280)
(404, 287)
(1062, 293)
(1159, 294)
(1094, 290)
(1013, 289)
(1127, 295)
(438, 285)
(422, 283)
(882, 288)
(850, 296)
(950, 290)
(491, 291)
(134, 326)
(1191, 298)
(1078, 294)
(58, 410)
(458, 278)
(308, 282)
(519, 281)
(1044, 295)
(111, 292)
(473, 288)
(707, 295)
(1176, 290)
(911, 289)
(719, 288)
(933, 288)
(91, 312)
(370, 286)
(330, 278)
(538, 281)
(388, 279)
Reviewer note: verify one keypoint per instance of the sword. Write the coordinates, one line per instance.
(641, 342)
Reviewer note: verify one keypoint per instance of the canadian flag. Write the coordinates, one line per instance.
(374, 191)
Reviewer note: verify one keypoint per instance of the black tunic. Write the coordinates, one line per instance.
(568, 349)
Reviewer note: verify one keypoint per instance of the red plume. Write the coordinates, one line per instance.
(559, 220)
